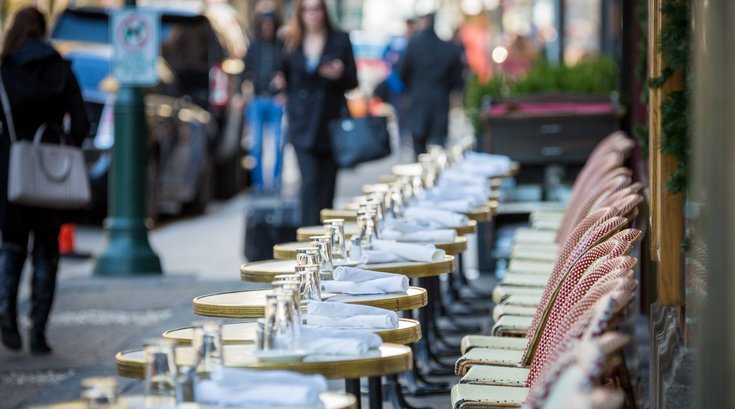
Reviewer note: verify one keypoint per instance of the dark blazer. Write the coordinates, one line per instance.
(430, 68)
(314, 100)
(261, 62)
(42, 88)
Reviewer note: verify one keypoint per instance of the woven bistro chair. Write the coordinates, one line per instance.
(588, 311)
(595, 278)
(589, 359)
(487, 356)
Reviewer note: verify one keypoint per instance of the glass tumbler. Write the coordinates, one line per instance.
(99, 392)
(269, 320)
(310, 284)
(160, 372)
(207, 344)
(307, 255)
(293, 290)
(336, 229)
(283, 336)
(324, 244)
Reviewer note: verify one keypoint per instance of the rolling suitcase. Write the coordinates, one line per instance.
(268, 223)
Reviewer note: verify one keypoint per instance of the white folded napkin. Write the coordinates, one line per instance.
(355, 321)
(409, 226)
(377, 286)
(423, 236)
(352, 280)
(445, 218)
(230, 387)
(426, 253)
(456, 177)
(341, 315)
(378, 257)
(484, 164)
(369, 338)
(454, 205)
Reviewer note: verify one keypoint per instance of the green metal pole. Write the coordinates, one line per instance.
(128, 251)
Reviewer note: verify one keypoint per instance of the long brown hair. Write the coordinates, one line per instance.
(295, 29)
(29, 22)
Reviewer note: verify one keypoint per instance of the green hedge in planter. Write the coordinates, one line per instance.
(595, 76)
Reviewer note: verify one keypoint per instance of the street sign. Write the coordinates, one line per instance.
(135, 44)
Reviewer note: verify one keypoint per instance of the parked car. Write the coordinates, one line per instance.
(180, 134)
(204, 46)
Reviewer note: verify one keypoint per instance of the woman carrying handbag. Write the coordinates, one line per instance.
(318, 67)
(41, 90)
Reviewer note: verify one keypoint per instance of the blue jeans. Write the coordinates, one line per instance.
(265, 112)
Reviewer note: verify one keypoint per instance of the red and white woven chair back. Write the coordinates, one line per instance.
(617, 180)
(542, 342)
(578, 371)
(592, 173)
(589, 240)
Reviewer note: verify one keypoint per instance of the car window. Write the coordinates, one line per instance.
(94, 28)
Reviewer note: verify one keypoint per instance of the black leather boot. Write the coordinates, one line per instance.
(43, 286)
(11, 267)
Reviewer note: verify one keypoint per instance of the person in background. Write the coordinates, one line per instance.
(521, 57)
(42, 90)
(430, 69)
(265, 109)
(318, 68)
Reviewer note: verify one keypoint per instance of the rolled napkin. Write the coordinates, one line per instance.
(351, 280)
(424, 236)
(456, 177)
(409, 226)
(378, 257)
(371, 339)
(485, 164)
(426, 253)
(341, 315)
(355, 321)
(230, 387)
(454, 205)
(445, 218)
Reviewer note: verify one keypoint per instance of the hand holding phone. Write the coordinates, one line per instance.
(332, 70)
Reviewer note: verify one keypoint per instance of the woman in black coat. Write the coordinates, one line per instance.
(42, 89)
(318, 68)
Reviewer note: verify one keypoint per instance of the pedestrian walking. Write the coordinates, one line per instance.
(430, 69)
(265, 110)
(318, 68)
(42, 90)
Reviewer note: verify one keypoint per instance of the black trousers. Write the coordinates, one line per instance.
(16, 233)
(318, 183)
(421, 141)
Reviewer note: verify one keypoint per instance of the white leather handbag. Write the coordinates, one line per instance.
(41, 174)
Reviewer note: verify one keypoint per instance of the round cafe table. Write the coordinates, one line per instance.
(388, 359)
(330, 400)
(351, 229)
(251, 303)
(287, 251)
(265, 271)
(482, 213)
(408, 332)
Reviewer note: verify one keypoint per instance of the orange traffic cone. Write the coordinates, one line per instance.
(66, 242)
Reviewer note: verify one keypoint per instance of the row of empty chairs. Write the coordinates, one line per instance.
(556, 341)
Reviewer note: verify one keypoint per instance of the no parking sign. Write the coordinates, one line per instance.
(135, 43)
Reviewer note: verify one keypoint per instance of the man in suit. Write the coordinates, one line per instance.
(430, 69)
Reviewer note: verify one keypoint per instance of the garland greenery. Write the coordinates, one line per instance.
(592, 76)
(675, 113)
(641, 130)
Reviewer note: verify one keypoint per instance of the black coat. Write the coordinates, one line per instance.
(314, 100)
(430, 68)
(261, 62)
(42, 89)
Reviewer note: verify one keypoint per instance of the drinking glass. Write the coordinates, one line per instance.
(286, 277)
(99, 392)
(307, 255)
(293, 290)
(311, 285)
(160, 372)
(207, 344)
(364, 223)
(336, 229)
(269, 320)
(324, 244)
(283, 335)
